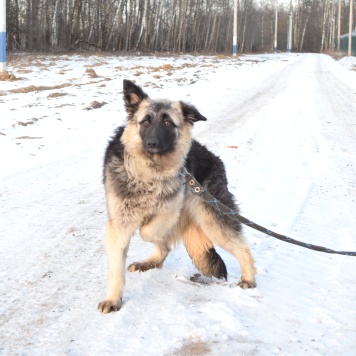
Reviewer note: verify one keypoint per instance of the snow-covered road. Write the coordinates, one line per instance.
(293, 120)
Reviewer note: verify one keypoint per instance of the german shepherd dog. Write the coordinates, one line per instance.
(145, 189)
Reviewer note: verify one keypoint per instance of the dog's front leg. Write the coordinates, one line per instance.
(117, 242)
(160, 231)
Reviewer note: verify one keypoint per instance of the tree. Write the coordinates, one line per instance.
(203, 26)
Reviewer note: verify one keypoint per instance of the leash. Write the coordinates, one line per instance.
(194, 186)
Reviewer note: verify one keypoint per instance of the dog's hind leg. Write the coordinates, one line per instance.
(230, 240)
(157, 231)
(202, 252)
(233, 242)
(237, 247)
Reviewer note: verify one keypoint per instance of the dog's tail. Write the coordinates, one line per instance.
(203, 254)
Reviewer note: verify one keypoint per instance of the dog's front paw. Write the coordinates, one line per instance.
(108, 306)
(141, 266)
(247, 284)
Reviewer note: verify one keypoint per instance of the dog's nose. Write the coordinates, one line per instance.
(152, 142)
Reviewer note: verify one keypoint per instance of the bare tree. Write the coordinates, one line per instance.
(170, 25)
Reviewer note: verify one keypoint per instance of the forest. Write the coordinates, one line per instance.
(172, 26)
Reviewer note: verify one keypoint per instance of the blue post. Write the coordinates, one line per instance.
(2, 36)
(234, 49)
(275, 29)
(234, 35)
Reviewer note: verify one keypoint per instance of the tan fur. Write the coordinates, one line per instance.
(138, 164)
(197, 244)
(223, 237)
(160, 206)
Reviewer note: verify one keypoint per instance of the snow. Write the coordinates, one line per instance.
(285, 126)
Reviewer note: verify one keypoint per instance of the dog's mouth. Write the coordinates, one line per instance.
(158, 151)
(152, 150)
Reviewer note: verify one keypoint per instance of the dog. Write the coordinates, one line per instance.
(144, 178)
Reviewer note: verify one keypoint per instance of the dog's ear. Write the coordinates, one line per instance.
(191, 114)
(133, 95)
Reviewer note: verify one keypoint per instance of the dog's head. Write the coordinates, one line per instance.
(159, 123)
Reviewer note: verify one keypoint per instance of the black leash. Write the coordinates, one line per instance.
(198, 190)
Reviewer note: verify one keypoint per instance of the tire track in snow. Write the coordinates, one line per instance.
(242, 103)
(325, 217)
(321, 143)
(328, 215)
(330, 199)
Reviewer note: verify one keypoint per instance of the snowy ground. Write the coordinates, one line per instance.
(293, 120)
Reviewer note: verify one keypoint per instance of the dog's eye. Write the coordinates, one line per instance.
(146, 121)
(167, 121)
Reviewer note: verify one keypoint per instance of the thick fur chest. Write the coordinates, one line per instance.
(136, 197)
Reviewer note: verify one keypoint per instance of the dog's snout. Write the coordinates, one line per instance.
(152, 143)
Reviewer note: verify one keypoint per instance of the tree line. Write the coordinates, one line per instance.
(174, 26)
